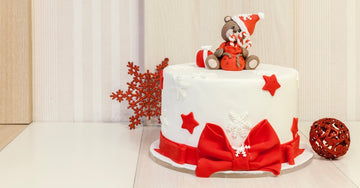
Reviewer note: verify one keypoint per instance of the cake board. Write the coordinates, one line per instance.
(300, 161)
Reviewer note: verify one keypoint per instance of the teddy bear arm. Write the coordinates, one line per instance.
(219, 52)
(245, 52)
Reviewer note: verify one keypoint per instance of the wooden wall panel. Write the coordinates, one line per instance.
(177, 29)
(355, 74)
(91, 45)
(81, 49)
(327, 55)
(171, 30)
(318, 38)
(15, 62)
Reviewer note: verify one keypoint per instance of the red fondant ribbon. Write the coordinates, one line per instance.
(262, 150)
(179, 153)
(290, 150)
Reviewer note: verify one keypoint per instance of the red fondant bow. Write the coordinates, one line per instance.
(260, 151)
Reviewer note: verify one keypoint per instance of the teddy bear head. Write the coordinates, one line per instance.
(230, 28)
(238, 28)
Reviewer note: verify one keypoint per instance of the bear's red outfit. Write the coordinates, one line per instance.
(229, 62)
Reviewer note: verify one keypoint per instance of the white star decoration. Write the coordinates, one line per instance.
(239, 127)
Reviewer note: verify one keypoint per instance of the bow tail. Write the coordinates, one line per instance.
(268, 160)
(290, 150)
(274, 167)
(206, 167)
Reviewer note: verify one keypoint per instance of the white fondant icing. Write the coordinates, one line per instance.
(213, 96)
(164, 120)
(264, 72)
(203, 75)
(181, 85)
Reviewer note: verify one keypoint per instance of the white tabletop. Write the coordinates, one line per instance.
(110, 155)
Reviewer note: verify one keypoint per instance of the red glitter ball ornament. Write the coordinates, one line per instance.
(329, 138)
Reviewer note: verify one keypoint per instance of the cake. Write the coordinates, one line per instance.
(222, 97)
(222, 114)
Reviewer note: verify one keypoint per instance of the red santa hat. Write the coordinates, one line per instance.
(247, 22)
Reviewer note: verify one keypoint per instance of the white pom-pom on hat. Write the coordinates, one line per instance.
(261, 15)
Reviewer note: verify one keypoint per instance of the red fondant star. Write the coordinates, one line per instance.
(271, 84)
(189, 122)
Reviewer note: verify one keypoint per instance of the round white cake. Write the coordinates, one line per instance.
(233, 100)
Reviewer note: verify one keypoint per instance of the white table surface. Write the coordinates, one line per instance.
(51, 155)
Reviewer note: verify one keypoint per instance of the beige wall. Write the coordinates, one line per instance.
(318, 38)
(327, 57)
(81, 48)
(15, 62)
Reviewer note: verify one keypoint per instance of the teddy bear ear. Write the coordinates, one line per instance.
(227, 18)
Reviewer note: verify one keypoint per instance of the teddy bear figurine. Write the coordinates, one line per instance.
(232, 54)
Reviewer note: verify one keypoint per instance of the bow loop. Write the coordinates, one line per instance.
(263, 140)
(261, 151)
(214, 136)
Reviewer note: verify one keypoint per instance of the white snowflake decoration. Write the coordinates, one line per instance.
(239, 127)
(164, 120)
(241, 150)
(181, 86)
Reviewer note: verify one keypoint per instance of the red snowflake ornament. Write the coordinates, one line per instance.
(143, 93)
